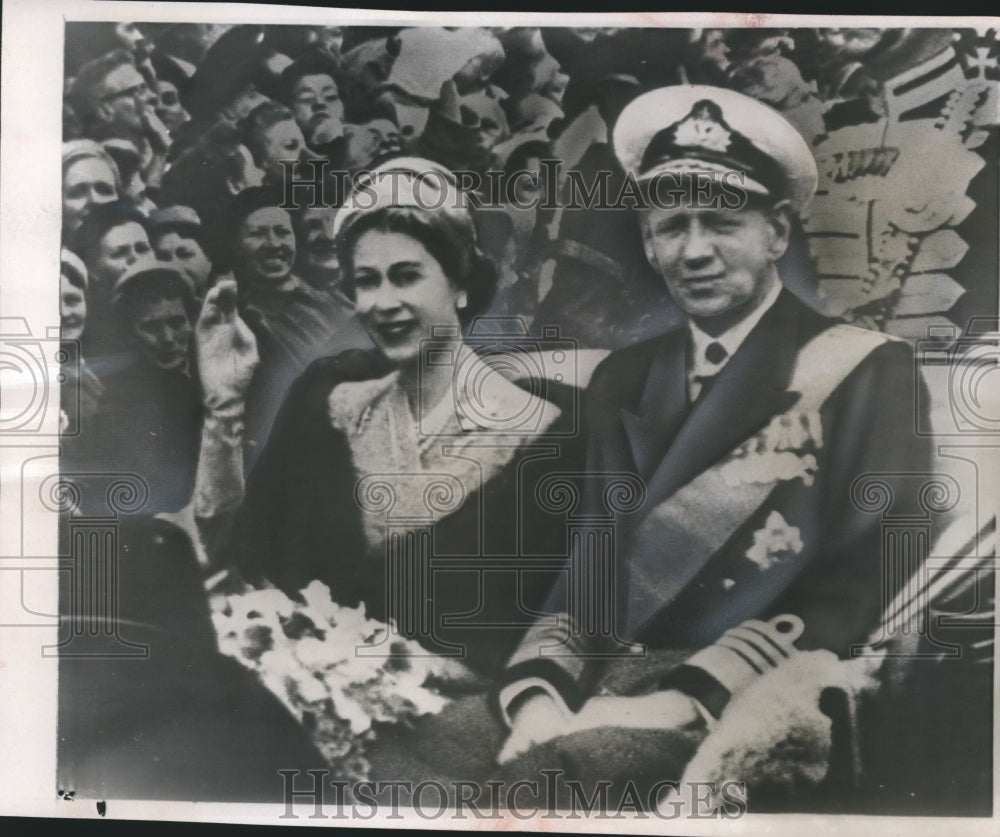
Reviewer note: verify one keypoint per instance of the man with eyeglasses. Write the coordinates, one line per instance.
(113, 99)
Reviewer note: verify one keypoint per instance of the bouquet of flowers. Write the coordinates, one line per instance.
(337, 671)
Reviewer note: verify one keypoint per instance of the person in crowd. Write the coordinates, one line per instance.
(461, 131)
(150, 413)
(113, 99)
(80, 389)
(177, 237)
(329, 40)
(293, 322)
(134, 188)
(172, 84)
(516, 235)
(776, 80)
(427, 57)
(231, 80)
(72, 296)
(111, 239)
(603, 292)
(188, 43)
(316, 247)
(706, 58)
(524, 51)
(371, 144)
(90, 177)
(310, 90)
(364, 68)
(652, 57)
(274, 139)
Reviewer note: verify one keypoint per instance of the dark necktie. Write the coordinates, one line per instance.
(715, 353)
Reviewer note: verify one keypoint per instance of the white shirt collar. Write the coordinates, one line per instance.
(730, 340)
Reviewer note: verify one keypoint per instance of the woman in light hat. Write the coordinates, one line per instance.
(90, 177)
(419, 435)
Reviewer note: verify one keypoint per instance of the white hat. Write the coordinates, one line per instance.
(699, 128)
(72, 266)
(404, 182)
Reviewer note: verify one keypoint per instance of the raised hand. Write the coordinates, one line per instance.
(226, 350)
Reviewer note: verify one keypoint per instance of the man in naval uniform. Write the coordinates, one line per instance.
(745, 431)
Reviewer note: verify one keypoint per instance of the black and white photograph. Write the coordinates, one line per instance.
(544, 422)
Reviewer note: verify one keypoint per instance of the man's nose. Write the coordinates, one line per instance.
(698, 248)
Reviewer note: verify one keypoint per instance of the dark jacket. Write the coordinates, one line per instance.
(148, 422)
(641, 423)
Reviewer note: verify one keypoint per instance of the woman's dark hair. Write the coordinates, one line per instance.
(260, 120)
(156, 287)
(98, 221)
(449, 236)
(192, 231)
(310, 63)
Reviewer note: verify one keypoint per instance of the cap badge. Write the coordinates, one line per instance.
(703, 127)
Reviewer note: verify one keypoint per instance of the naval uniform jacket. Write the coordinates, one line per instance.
(640, 422)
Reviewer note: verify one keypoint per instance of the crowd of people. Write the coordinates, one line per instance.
(178, 145)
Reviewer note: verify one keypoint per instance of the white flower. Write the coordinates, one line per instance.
(784, 450)
(794, 431)
(777, 541)
(769, 468)
(307, 654)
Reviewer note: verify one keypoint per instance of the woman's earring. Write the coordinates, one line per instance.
(462, 301)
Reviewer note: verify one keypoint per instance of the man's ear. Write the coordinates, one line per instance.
(779, 217)
(104, 112)
(647, 244)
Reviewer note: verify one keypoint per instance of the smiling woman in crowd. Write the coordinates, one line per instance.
(80, 389)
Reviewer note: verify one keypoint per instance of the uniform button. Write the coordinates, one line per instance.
(728, 584)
